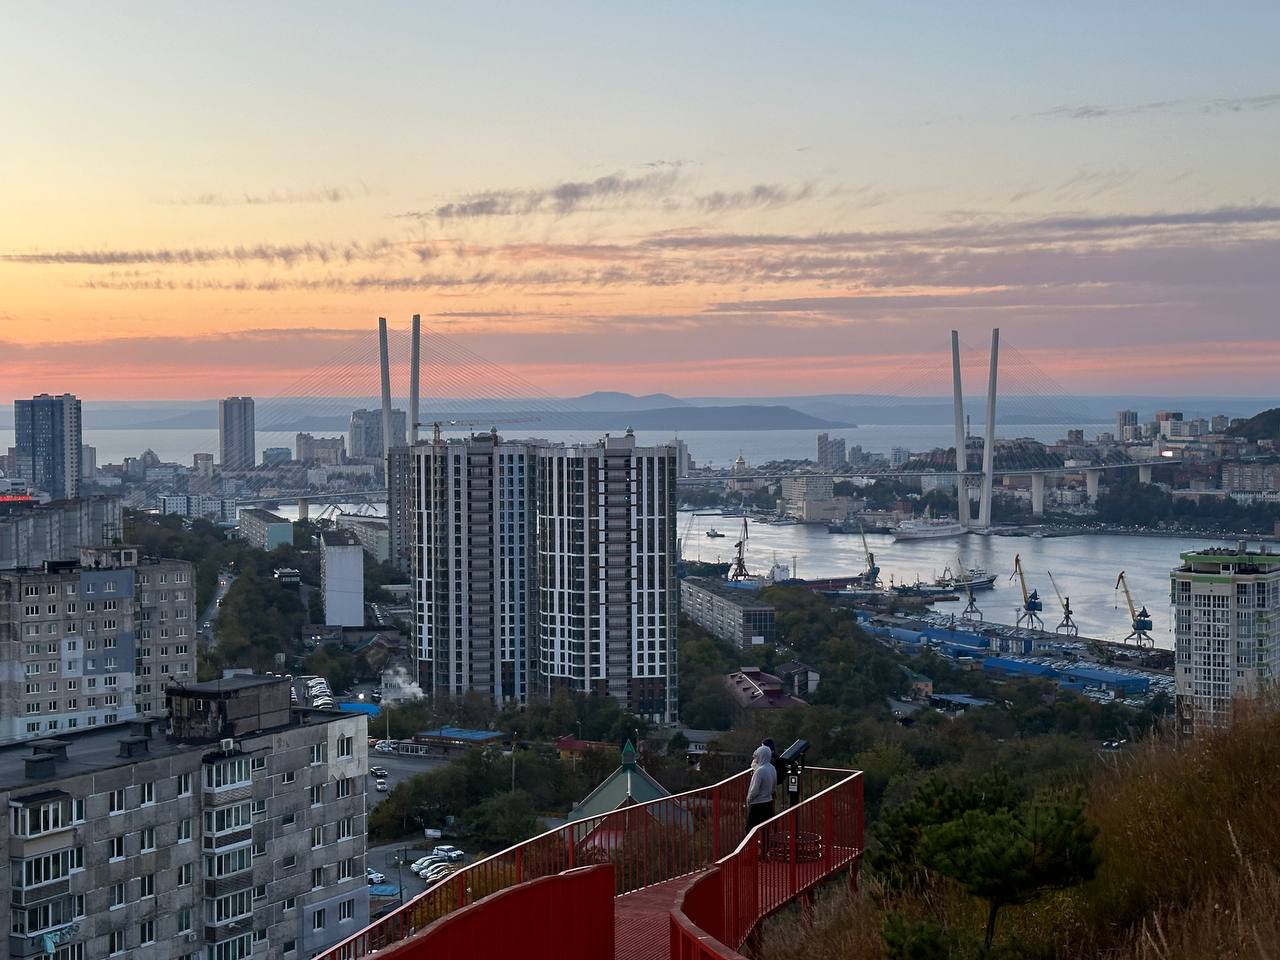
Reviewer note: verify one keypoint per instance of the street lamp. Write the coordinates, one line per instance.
(514, 734)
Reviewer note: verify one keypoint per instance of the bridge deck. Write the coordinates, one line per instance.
(640, 920)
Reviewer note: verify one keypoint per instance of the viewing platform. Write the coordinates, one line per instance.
(677, 877)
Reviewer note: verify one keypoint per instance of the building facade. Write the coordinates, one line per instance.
(401, 510)
(607, 601)
(329, 451)
(364, 435)
(342, 578)
(831, 452)
(474, 567)
(92, 642)
(238, 835)
(32, 533)
(264, 529)
(372, 532)
(1226, 632)
(730, 613)
(236, 433)
(48, 444)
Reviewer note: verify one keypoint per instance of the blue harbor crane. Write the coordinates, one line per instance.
(1031, 602)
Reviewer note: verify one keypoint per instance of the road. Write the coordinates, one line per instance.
(210, 613)
(400, 769)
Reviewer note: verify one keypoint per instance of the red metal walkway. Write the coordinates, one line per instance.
(642, 920)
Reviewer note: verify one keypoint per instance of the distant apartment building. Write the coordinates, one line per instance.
(200, 506)
(607, 601)
(328, 451)
(32, 533)
(684, 461)
(1226, 632)
(237, 437)
(831, 452)
(276, 456)
(342, 578)
(85, 634)
(88, 462)
(812, 499)
(1127, 425)
(264, 529)
(1243, 477)
(400, 508)
(372, 532)
(239, 834)
(730, 613)
(364, 435)
(202, 465)
(48, 445)
(476, 594)
(898, 456)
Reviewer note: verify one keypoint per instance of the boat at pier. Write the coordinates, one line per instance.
(928, 528)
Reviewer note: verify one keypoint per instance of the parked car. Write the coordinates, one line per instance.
(381, 786)
(378, 772)
(429, 865)
(374, 876)
(434, 873)
(384, 746)
(422, 863)
(450, 853)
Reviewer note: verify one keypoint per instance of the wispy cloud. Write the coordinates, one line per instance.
(1216, 105)
(762, 196)
(560, 199)
(271, 198)
(193, 256)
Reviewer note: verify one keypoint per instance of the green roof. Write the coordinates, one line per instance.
(627, 785)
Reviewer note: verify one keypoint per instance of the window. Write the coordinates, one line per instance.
(184, 920)
(224, 819)
(346, 746)
(259, 808)
(259, 763)
(343, 788)
(225, 864)
(319, 753)
(346, 910)
(232, 906)
(291, 903)
(184, 875)
(117, 848)
(259, 848)
(115, 943)
(184, 830)
(317, 878)
(288, 820)
(344, 828)
(290, 946)
(317, 837)
(227, 773)
(146, 839)
(260, 892)
(317, 920)
(146, 885)
(184, 784)
(148, 794)
(118, 898)
(147, 931)
(49, 867)
(115, 801)
(317, 795)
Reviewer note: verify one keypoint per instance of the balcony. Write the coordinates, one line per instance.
(220, 841)
(224, 795)
(230, 884)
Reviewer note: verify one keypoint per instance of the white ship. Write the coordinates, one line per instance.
(927, 529)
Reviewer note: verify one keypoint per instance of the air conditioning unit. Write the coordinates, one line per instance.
(228, 745)
(190, 938)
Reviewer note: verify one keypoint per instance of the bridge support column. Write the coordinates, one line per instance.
(303, 508)
(962, 451)
(1091, 478)
(1037, 494)
(989, 444)
(1144, 473)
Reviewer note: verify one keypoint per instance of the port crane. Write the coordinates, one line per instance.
(971, 611)
(1140, 620)
(872, 576)
(1068, 625)
(1031, 602)
(739, 569)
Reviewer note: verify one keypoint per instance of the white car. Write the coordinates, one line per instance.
(384, 746)
(450, 853)
(373, 876)
(381, 786)
(437, 871)
(422, 863)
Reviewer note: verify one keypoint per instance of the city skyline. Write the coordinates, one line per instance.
(814, 200)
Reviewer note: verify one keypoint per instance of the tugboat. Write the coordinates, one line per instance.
(713, 532)
(971, 578)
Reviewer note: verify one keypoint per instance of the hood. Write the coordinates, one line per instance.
(762, 756)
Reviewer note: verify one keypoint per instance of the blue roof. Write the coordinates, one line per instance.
(460, 733)
(961, 699)
(372, 709)
(1107, 677)
(1018, 666)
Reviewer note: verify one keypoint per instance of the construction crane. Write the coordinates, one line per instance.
(1031, 602)
(1140, 620)
(739, 569)
(1068, 625)
(971, 611)
(872, 576)
(438, 425)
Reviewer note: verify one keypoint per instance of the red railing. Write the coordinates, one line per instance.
(526, 921)
(777, 862)
(646, 844)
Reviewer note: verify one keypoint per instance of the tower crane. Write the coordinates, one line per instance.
(1140, 632)
(872, 576)
(1068, 625)
(1031, 602)
(739, 569)
(438, 425)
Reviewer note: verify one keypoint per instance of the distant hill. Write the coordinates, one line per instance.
(1261, 426)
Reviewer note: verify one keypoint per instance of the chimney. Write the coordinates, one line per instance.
(141, 727)
(134, 746)
(40, 766)
(52, 748)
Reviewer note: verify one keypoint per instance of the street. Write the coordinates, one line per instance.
(400, 769)
(210, 613)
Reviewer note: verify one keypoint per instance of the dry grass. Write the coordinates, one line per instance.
(1190, 842)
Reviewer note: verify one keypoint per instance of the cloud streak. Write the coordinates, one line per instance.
(271, 198)
(286, 254)
(1214, 106)
(561, 199)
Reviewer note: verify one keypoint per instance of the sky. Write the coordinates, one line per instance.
(703, 199)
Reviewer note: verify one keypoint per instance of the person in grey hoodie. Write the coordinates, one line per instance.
(764, 779)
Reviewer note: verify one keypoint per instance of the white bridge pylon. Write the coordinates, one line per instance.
(964, 478)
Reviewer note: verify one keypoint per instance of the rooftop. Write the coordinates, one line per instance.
(266, 516)
(225, 685)
(339, 538)
(747, 599)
